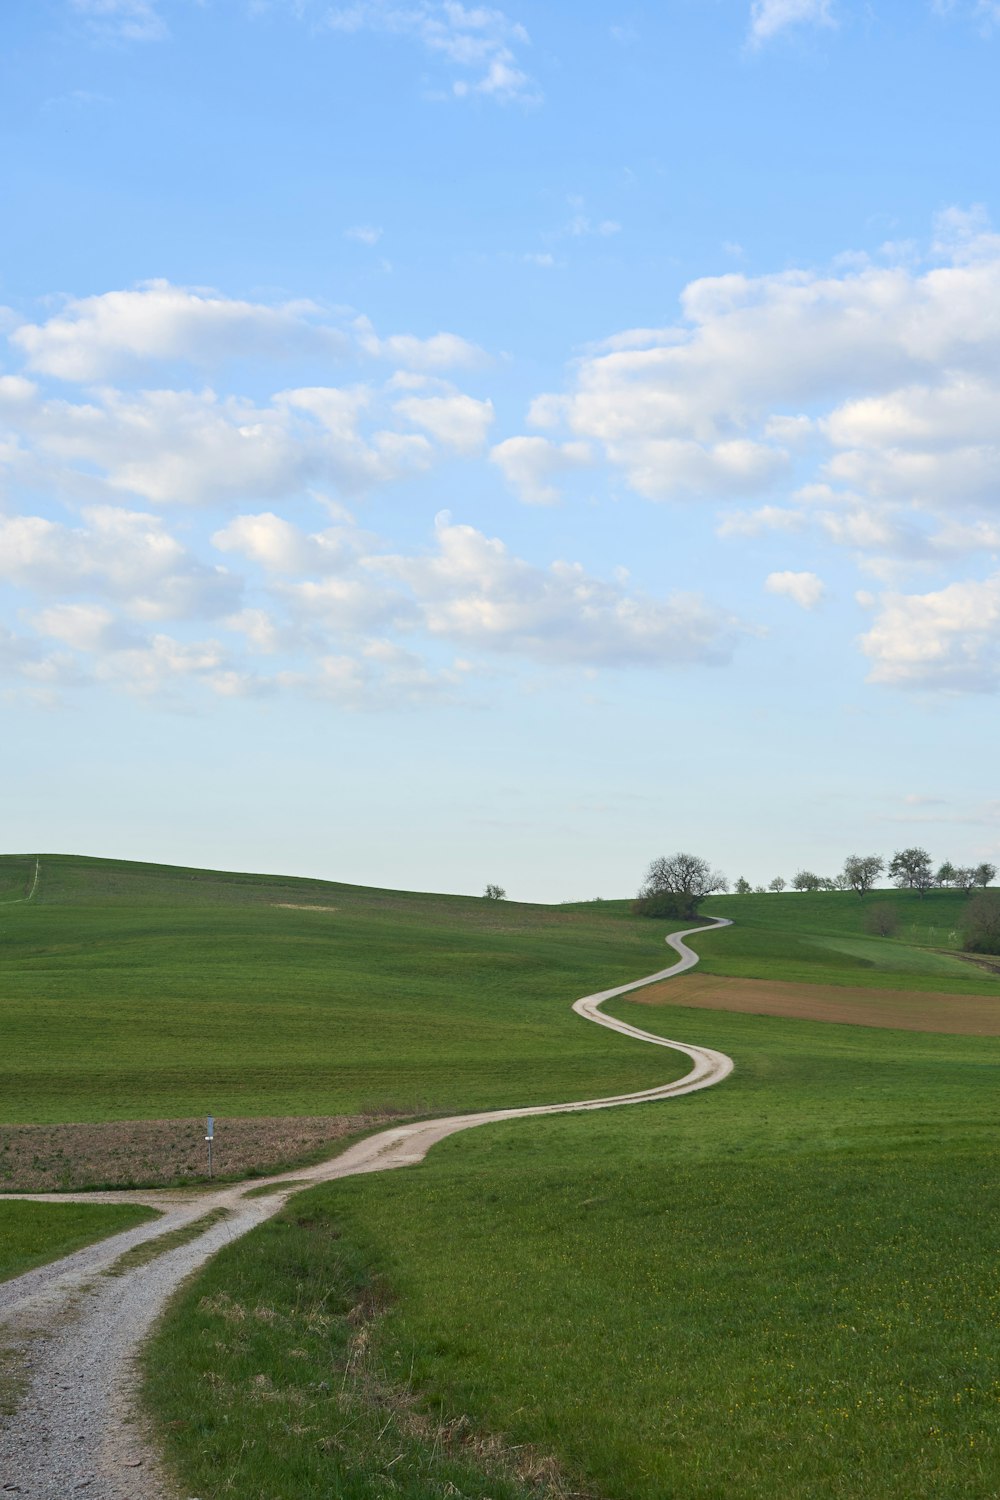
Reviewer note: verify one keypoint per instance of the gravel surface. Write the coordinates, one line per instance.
(73, 1332)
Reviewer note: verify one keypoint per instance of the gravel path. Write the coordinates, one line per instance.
(71, 1331)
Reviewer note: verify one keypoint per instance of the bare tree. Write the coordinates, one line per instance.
(777, 884)
(965, 877)
(805, 880)
(911, 870)
(675, 884)
(494, 893)
(862, 870)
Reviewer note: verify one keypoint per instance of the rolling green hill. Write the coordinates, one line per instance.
(136, 991)
(133, 991)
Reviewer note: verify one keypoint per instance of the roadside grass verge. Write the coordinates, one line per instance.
(268, 1189)
(784, 1286)
(141, 1255)
(265, 1383)
(32, 1234)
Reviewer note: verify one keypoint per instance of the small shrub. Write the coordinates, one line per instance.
(882, 920)
(665, 904)
(981, 923)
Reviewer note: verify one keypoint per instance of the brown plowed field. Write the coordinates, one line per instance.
(158, 1153)
(964, 1015)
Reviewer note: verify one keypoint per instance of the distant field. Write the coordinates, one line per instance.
(820, 938)
(908, 1010)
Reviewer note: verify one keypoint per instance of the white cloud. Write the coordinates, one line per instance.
(350, 606)
(176, 447)
(85, 627)
(804, 589)
(122, 20)
(946, 639)
(457, 421)
(94, 338)
(769, 17)
(440, 351)
(122, 556)
(125, 332)
(529, 465)
(473, 592)
(281, 547)
(478, 42)
(881, 378)
(671, 468)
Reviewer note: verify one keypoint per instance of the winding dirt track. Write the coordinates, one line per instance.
(74, 1330)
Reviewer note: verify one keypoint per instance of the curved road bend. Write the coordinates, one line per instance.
(75, 1331)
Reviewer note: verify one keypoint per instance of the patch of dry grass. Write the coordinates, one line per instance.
(161, 1153)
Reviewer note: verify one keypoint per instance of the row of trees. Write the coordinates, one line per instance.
(676, 883)
(909, 869)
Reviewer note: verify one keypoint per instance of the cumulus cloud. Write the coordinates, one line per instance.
(189, 448)
(441, 351)
(530, 464)
(804, 589)
(459, 422)
(878, 379)
(123, 556)
(769, 17)
(97, 338)
(125, 332)
(475, 593)
(947, 639)
(281, 547)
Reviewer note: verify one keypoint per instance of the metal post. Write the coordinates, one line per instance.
(210, 1132)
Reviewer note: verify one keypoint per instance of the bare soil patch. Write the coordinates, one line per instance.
(162, 1153)
(903, 1010)
(297, 906)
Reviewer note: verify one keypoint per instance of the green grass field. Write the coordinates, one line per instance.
(32, 1234)
(783, 1287)
(143, 992)
(819, 938)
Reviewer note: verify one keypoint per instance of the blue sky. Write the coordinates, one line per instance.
(443, 444)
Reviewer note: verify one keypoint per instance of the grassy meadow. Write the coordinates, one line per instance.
(32, 1234)
(786, 1286)
(783, 1288)
(819, 937)
(142, 992)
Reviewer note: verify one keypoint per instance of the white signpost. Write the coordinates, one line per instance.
(209, 1135)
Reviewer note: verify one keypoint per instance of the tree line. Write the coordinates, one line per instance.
(676, 884)
(908, 869)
